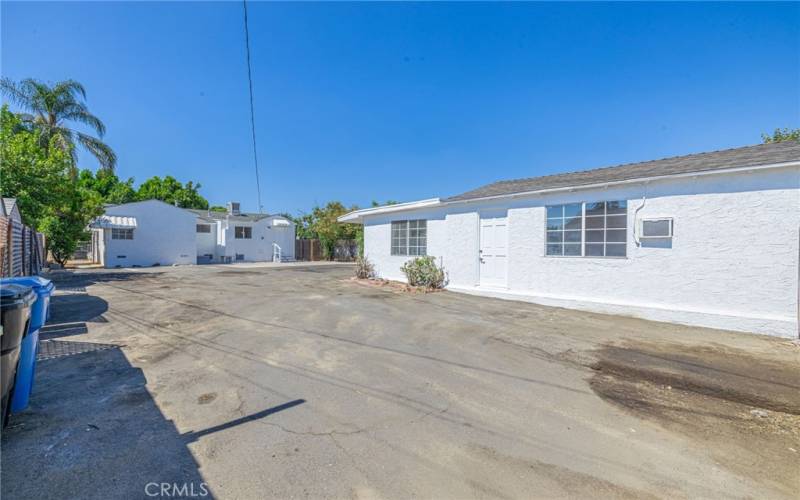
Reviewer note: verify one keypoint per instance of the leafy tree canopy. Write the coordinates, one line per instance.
(108, 186)
(387, 202)
(171, 191)
(113, 190)
(50, 108)
(30, 174)
(48, 194)
(780, 135)
(322, 224)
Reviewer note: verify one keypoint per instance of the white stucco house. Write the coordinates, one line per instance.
(234, 236)
(709, 239)
(152, 233)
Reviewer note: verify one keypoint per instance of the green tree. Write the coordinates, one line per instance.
(108, 186)
(322, 224)
(50, 107)
(65, 224)
(780, 135)
(217, 208)
(30, 173)
(49, 196)
(303, 224)
(171, 191)
(388, 202)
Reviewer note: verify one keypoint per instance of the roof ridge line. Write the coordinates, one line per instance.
(627, 164)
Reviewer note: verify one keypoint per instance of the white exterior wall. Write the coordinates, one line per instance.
(206, 242)
(732, 263)
(377, 241)
(283, 236)
(164, 235)
(258, 248)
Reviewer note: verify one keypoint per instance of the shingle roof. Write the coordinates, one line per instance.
(748, 156)
(242, 217)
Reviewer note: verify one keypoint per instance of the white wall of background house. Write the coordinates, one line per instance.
(206, 241)
(164, 235)
(732, 262)
(258, 247)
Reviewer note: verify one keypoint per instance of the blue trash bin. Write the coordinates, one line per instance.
(23, 385)
(44, 289)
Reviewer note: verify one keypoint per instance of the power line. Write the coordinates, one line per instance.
(252, 110)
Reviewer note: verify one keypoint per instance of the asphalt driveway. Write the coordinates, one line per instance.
(297, 382)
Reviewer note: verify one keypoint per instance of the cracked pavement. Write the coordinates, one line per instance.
(296, 382)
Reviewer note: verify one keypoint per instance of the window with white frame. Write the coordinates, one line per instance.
(121, 233)
(243, 232)
(564, 228)
(409, 237)
(203, 228)
(596, 229)
(606, 229)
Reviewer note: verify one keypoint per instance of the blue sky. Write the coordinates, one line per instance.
(361, 102)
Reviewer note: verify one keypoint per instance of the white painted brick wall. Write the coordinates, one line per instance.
(733, 262)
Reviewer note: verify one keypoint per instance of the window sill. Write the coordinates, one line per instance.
(590, 257)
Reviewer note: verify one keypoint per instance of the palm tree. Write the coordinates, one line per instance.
(51, 106)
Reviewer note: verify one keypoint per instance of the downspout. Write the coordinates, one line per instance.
(636, 217)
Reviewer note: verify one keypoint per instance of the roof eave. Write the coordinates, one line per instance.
(357, 216)
(637, 180)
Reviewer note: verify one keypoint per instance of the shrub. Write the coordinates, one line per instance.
(364, 268)
(424, 272)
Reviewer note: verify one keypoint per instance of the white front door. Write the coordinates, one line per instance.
(493, 251)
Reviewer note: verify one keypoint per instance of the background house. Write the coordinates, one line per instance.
(152, 232)
(707, 239)
(144, 233)
(245, 237)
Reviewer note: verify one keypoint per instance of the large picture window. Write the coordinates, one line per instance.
(409, 237)
(597, 229)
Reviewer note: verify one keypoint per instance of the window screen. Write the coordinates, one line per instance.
(203, 228)
(409, 237)
(243, 232)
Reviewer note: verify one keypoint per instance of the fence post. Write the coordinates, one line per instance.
(3, 246)
(10, 252)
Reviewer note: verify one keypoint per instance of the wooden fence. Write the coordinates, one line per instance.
(21, 249)
(311, 250)
(308, 250)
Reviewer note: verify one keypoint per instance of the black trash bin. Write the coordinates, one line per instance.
(15, 310)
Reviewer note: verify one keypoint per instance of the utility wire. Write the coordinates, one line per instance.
(252, 111)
